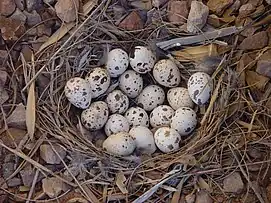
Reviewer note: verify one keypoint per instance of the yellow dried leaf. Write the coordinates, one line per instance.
(31, 111)
(204, 185)
(89, 6)
(120, 179)
(255, 80)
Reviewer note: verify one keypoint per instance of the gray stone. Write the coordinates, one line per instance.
(17, 119)
(197, 16)
(33, 5)
(20, 4)
(67, 10)
(233, 183)
(13, 182)
(50, 2)
(7, 169)
(19, 15)
(49, 156)
(32, 18)
(52, 186)
(264, 67)
(7, 7)
(268, 1)
(203, 197)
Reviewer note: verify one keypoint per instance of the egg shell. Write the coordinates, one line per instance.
(142, 59)
(151, 97)
(137, 116)
(131, 83)
(99, 81)
(78, 93)
(95, 116)
(184, 120)
(166, 73)
(179, 97)
(117, 102)
(144, 139)
(117, 62)
(121, 144)
(161, 116)
(167, 139)
(116, 123)
(200, 87)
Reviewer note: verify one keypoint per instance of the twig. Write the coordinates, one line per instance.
(33, 186)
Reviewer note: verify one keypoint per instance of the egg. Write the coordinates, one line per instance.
(137, 116)
(151, 97)
(121, 144)
(116, 123)
(131, 83)
(78, 93)
(161, 116)
(117, 62)
(144, 139)
(99, 81)
(200, 87)
(166, 73)
(179, 97)
(142, 59)
(184, 120)
(95, 116)
(167, 139)
(117, 102)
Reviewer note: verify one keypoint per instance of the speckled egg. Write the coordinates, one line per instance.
(179, 97)
(144, 139)
(99, 81)
(117, 62)
(121, 144)
(167, 139)
(95, 116)
(117, 102)
(151, 97)
(116, 123)
(131, 83)
(166, 73)
(142, 59)
(200, 87)
(137, 116)
(161, 116)
(184, 120)
(77, 91)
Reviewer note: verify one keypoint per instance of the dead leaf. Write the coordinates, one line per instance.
(31, 111)
(218, 6)
(204, 185)
(255, 80)
(120, 179)
(142, 4)
(89, 6)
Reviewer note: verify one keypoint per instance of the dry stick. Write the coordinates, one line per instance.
(62, 47)
(33, 186)
(198, 38)
(177, 194)
(36, 164)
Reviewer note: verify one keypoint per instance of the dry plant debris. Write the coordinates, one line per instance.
(47, 154)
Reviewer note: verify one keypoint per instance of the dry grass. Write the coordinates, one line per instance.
(232, 124)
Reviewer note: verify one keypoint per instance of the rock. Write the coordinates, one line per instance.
(49, 2)
(219, 6)
(18, 117)
(33, 5)
(32, 18)
(190, 198)
(67, 10)
(7, 7)
(3, 95)
(7, 169)
(43, 30)
(249, 30)
(3, 76)
(158, 3)
(26, 52)
(13, 182)
(203, 197)
(197, 16)
(11, 29)
(4, 185)
(37, 44)
(27, 174)
(3, 56)
(48, 154)
(118, 12)
(177, 12)
(233, 183)
(264, 67)
(74, 170)
(20, 4)
(132, 22)
(268, 2)
(19, 15)
(142, 5)
(52, 186)
(256, 41)
(246, 9)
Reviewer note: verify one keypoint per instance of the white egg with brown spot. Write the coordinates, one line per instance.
(137, 116)
(121, 144)
(184, 120)
(78, 93)
(142, 59)
(200, 87)
(117, 62)
(99, 81)
(117, 102)
(167, 73)
(116, 123)
(167, 139)
(144, 139)
(161, 116)
(131, 83)
(179, 97)
(95, 116)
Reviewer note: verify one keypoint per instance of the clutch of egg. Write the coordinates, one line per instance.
(139, 117)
